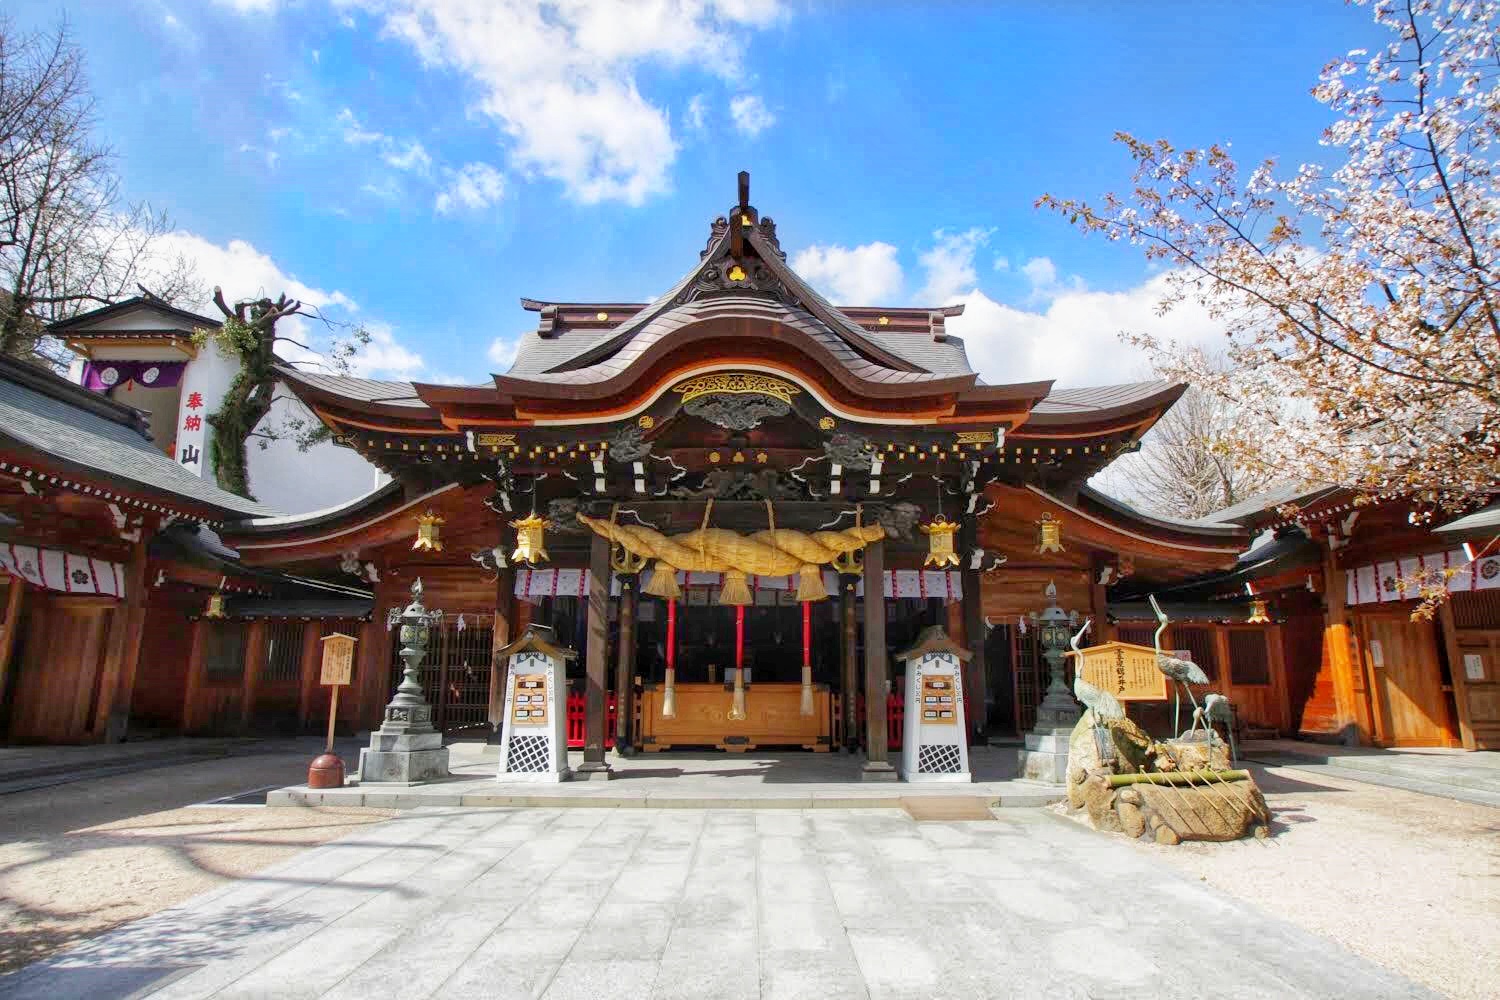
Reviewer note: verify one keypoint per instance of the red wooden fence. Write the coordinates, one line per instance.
(576, 702)
(895, 717)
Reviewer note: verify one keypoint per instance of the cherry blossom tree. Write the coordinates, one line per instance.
(1361, 299)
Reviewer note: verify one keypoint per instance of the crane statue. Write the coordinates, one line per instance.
(1094, 698)
(1183, 672)
(1216, 708)
(1102, 705)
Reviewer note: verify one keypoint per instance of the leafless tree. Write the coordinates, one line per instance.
(68, 242)
(1187, 466)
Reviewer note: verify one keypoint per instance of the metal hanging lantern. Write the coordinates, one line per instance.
(530, 540)
(940, 532)
(215, 607)
(1049, 534)
(429, 533)
(1258, 613)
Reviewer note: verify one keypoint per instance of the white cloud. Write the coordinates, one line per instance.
(473, 187)
(1076, 339)
(561, 79)
(354, 133)
(750, 114)
(866, 275)
(502, 352)
(244, 271)
(413, 157)
(1045, 283)
(696, 115)
(249, 6)
(1002, 263)
(383, 357)
(950, 265)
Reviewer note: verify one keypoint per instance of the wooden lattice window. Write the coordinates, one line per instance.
(1198, 640)
(1249, 660)
(224, 653)
(1029, 678)
(283, 654)
(1141, 635)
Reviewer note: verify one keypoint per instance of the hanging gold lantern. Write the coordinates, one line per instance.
(215, 607)
(1258, 615)
(940, 534)
(1049, 534)
(530, 540)
(429, 535)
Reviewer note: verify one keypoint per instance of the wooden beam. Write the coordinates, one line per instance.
(596, 680)
(194, 686)
(1339, 655)
(1456, 672)
(14, 599)
(501, 633)
(877, 763)
(309, 671)
(255, 651)
(127, 633)
(625, 662)
(849, 690)
(976, 680)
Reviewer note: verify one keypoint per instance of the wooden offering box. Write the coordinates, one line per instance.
(773, 717)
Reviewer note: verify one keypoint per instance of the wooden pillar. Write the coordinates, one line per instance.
(14, 597)
(309, 672)
(877, 763)
(123, 656)
(372, 671)
(596, 679)
(503, 630)
(1102, 631)
(255, 651)
(1456, 672)
(976, 677)
(1350, 707)
(625, 662)
(849, 689)
(194, 687)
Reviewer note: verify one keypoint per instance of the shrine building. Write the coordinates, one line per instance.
(739, 474)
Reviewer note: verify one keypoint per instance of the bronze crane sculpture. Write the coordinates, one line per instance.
(1183, 672)
(1216, 708)
(1102, 705)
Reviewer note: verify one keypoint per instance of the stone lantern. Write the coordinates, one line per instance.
(1045, 757)
(406, 749)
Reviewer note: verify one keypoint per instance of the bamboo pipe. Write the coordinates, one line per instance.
(1175, 777)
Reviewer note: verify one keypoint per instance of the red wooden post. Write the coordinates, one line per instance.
(671, 634)
(739, 636)
(807, 633)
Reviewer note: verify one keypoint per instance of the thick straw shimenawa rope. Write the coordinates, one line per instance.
(774, 552)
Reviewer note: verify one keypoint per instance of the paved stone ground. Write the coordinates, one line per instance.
(1467, 776)
(699, 904)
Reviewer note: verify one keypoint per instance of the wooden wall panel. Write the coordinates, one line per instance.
(1308, 680)
(156, 701)
(57, 684)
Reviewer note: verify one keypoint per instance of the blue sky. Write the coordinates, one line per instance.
(422, 164)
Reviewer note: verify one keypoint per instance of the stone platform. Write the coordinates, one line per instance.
(689, 780)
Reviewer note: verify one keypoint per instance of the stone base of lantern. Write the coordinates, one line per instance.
(1045, 757)
(403, 759)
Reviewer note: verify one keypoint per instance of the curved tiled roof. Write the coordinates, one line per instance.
(739, 307)
(1063, 406)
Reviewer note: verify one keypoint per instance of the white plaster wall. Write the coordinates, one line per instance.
(281, 476)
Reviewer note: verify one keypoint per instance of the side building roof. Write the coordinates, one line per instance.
(92, 436)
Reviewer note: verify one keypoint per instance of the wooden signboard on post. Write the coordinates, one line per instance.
(1124, 669)
(327, 771)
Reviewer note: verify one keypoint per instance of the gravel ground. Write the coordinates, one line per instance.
(1409, 881)
(80, 858)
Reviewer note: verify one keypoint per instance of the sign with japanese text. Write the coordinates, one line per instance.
(1124, 669)
(338, 659)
